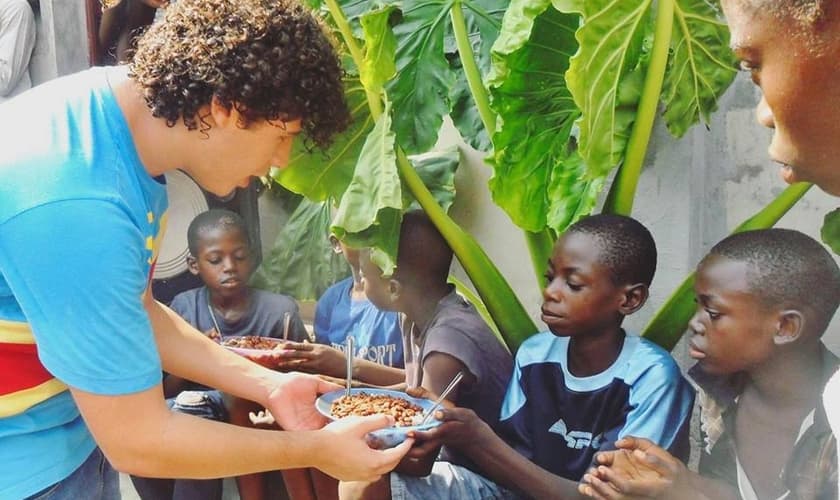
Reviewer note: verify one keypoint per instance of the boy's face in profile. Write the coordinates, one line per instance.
(732, 330)
(377, 287)
(223, 261)
(581, 296)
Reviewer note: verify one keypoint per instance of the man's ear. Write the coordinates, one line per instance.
(222, 115)
(790, 327)
(634, 298)
(336, 246)
(192, 264)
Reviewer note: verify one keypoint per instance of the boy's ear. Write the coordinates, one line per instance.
(790, 327)
(192, 264)
(394, 289)
(336, 246)
(635, 297)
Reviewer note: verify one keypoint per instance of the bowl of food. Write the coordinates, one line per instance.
(252, 346)
(407, 412)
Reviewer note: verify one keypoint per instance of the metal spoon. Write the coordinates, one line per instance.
(457, 378)
(348, 353)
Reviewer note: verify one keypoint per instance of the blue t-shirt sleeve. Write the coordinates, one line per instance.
(78, 269)
(323, 313)
(661, 401)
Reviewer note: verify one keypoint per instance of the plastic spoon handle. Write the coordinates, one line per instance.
(349, 355)
(457, 378)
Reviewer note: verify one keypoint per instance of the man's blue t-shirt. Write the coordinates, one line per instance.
(80, 223)
(376, 333)
(559, 421)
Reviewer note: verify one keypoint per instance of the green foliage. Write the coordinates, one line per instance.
(322, 175)
(301, 262)
(605, 78)
(701, 66)
(830, 232)
(421, 92)
(539, 176)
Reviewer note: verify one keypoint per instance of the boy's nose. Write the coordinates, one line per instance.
(551, 291)
(695, 325)
(764, 114)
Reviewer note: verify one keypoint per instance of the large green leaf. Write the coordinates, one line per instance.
(321, 175)
(370, 211)
(604, 77)
(830, 232)
(420, 95)
(302, 263)
(700, 68)
(483, 20)
(380, 47)
(437, 171)
(539, 181)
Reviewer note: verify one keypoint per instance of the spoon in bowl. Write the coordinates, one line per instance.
(457, 378)
(348, 353)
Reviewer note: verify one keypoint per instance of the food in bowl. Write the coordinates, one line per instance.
(251, 342)
(361, 404)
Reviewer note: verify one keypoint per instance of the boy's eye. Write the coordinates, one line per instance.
(574, 286)
(214, 261)
(713, 315)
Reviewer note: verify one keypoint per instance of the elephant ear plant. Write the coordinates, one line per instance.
(558, 94)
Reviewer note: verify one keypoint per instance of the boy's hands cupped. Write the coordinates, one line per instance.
(637, 469)
(313, 358)
(344, 452)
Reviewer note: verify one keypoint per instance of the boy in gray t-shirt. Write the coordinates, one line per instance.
(442, 333)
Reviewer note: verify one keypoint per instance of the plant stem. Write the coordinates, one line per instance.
(465, 52)
(670, 321)
(540, 246)
(374, 101)
(623, 189)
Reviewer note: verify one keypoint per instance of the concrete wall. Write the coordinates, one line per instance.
(62, 43)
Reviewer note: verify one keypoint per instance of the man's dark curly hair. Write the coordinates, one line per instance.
(268, 59)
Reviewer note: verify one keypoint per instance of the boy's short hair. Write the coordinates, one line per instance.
(270, 59)
(423, 256)
(788, 269)
(625, 246)
(212, 219)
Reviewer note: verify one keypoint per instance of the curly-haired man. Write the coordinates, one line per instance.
(219, 89)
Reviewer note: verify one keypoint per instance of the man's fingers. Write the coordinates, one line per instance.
(605, 457)
(325, 386)
(423, 448)
(392, 456)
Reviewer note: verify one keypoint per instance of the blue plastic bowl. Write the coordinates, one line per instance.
(389, 436)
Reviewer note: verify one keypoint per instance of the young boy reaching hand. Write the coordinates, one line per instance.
(764, 300)
(576, 388)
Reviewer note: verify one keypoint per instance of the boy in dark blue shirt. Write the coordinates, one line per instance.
(576, 388)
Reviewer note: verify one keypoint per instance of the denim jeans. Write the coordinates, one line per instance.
(206, 404)
(95, 479)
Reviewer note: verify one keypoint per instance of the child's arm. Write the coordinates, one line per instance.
(438, 370)
(326, 360)
(464, 430)
(639, 468)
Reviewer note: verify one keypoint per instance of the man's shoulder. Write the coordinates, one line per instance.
(647, 358)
